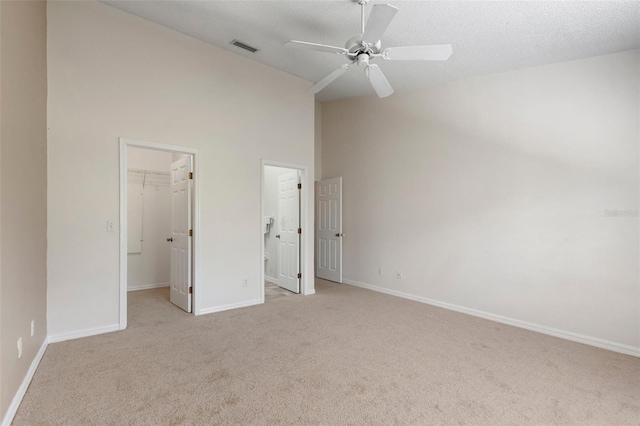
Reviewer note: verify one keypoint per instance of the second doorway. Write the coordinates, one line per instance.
(282, 231)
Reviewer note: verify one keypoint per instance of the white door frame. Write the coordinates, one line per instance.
(306, 282)
(195, 153)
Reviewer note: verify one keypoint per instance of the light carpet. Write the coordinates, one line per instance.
(343, 356)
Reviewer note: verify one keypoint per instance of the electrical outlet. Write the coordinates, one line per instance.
(399, 274)
(380, 270)
(33, 327)
(245, 282)
(19, 347)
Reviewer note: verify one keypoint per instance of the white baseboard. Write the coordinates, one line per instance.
(17, 399)
(271, 280)
(148, 286)
(83, 333)
(575, 337)
(309, 292)
(230, 306)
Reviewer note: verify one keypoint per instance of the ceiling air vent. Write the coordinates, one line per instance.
(244, 46)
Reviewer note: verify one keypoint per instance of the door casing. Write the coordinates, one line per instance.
(195, 153)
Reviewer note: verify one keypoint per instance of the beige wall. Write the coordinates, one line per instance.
(150, 159)
(115, 75)
(490, 195)
(23, 185)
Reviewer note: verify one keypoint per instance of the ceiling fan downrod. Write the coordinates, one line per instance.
(363, 3)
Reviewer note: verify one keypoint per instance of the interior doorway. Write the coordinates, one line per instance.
(158, 215)
(282, 231)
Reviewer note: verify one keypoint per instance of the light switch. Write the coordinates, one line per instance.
(110, 227)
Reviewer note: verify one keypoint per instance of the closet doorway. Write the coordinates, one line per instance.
(157, 193)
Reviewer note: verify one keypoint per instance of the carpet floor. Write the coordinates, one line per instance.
(344, 356)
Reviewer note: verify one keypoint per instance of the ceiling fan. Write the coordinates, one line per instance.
(364, 47)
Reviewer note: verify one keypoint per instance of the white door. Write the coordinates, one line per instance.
(288, 235)
(180, 239)
(329, 229)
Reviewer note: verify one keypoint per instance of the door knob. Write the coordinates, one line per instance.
(278, 236)
(170, 240)
(339, 235)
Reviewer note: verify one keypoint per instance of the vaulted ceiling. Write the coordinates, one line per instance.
(487, 36)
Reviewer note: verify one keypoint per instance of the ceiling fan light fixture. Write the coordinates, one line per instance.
(363, 60)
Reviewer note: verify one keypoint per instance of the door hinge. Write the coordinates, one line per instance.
(190, 290)
(299, 230)
(190, 175)
(299, 186)
(299, 275)
(191, 232)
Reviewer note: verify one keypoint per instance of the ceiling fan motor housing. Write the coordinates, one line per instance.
(355, 46)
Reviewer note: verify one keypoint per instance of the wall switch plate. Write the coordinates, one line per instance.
(33, 327)
(111, 227)
(380, 270)
(399, 274)
(19, 347)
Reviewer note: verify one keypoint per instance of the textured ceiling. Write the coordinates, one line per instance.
(487, 37)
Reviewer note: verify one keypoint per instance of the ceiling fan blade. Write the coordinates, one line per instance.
(378, 81)
(329, 79)
(439, 52)
(316, 47)
(379, 19)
